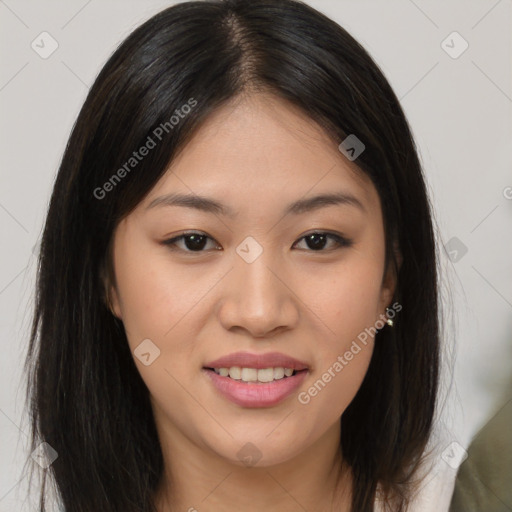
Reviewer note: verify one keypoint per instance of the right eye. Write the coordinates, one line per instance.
(191, 242)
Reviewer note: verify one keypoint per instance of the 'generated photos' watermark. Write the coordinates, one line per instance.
(150, 143)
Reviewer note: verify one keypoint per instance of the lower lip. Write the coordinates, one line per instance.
(253, 394)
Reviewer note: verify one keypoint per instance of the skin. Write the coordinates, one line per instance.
(256, 155)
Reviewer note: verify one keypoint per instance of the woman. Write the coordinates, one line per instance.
(237, 291)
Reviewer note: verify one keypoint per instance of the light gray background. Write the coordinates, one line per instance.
(460, 113)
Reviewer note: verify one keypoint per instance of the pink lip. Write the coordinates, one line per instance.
(251, 394)
(258, 361)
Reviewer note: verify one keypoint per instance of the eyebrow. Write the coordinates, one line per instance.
(210, 205)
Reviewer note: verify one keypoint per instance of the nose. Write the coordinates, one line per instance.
(258, 298)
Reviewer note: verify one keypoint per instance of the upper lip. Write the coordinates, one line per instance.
(258, 361)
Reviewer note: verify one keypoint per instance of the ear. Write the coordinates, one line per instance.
(390, 279)
(113, 302)
(111, 296)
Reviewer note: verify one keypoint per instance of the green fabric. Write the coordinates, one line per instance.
(484, 480)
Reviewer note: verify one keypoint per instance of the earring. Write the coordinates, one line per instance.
(389, 321)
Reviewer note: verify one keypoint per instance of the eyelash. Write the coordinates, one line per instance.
(341, 241)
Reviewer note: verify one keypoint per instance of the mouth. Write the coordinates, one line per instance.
(256, 380)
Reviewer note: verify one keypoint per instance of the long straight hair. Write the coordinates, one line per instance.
(85, 395)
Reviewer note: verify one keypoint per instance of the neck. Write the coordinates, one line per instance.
(196, 479)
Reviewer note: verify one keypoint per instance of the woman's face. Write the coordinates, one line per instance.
(251, 286)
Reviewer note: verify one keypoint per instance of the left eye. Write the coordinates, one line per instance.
(316, 241)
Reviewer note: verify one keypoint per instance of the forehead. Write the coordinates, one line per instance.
(259, 149)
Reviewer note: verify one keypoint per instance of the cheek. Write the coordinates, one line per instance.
(347, 300)
(162, 302)
(348, 308)
(153, 298)
(155, 303)
(335, 385)
(341, 367)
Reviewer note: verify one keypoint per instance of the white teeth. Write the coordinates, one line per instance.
(278, 373)
(249, 374)
(254, 374)
(235, 372)
(266, 375)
